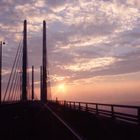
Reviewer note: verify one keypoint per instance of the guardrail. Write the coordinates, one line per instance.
(125, 113)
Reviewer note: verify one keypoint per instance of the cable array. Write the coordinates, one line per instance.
(18, 85)
(13, 89)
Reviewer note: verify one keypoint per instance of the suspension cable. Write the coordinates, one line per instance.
(16, 82)
(15, 73)
(16, 90)
(12, 71)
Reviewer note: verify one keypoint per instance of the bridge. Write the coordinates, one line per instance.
(25, 117)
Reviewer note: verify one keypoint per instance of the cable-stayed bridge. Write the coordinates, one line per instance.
(26, 118)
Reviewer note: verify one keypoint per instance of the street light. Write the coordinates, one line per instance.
(1, 43)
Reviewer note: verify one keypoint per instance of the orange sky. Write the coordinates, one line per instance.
(122, 89)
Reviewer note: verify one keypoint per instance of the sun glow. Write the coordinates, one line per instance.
(61, 88)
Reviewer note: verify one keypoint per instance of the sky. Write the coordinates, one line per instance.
(93, 46)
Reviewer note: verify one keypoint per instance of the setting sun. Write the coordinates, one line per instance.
(62, 88)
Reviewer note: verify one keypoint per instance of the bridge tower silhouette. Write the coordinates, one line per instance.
(44, 66)
(18, 86)
(24, 63)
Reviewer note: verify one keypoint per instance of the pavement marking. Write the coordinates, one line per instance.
(64, 123)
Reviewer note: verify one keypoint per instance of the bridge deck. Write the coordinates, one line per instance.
(34, 121)
(30, 121)
(97, 127)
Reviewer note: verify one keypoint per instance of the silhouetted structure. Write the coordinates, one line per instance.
(41, 82)
(44, 66)
(24, 63)
(32, 82)
(0, 68)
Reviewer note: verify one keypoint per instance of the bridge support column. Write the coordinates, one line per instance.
(32, 82)
(24, 63)
(0, 68)
(44, 67)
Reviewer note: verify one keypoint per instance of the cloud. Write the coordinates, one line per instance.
(90, 64)
(85, 38)
(55, 3)
(134, 2)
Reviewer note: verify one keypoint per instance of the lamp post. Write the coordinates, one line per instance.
(1, 43)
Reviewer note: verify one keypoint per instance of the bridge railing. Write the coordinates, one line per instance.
(125, 113)
(9, 103)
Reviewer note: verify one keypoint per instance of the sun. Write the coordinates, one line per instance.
(62, 88)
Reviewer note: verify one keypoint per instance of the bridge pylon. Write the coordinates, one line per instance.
(24, 63)
(44, 66)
